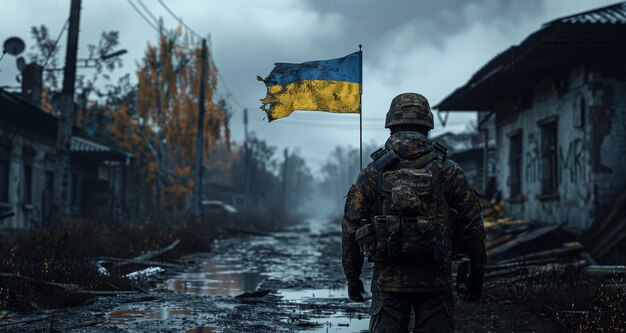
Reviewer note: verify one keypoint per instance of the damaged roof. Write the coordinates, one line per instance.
(613, 14)
(563, 40)
(18, 114)
(84, 145)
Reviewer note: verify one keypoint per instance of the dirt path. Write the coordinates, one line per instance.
(301, 266)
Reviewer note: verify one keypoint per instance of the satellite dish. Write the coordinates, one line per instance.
(14, 45)
(21, 64)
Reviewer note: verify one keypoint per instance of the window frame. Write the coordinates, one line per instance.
(27, 195)
(549, 175)
(515, 160)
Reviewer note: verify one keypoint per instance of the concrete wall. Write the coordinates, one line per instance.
(472, 164)
(38, 153)
(585, 187)
(608, 135)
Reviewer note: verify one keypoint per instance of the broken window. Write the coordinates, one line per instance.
(549, 179)
(28, 184)
(4, 180)
(515, 164)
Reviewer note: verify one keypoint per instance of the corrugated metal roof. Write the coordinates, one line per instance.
(613, 14)
(84, 145)
(603, 27)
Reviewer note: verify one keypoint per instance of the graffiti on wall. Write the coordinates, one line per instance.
(571, 162)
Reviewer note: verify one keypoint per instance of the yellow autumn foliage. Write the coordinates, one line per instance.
(162, 129)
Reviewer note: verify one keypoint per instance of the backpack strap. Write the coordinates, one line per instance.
(441, 250)
(441, 149)
(378, 153)
(382, 163)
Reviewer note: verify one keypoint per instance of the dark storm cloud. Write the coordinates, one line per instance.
(433, 21)
(382, 16)
(409, 45)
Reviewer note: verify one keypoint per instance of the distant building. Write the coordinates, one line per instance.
(556, 106)
(27, 169)
(235, 197)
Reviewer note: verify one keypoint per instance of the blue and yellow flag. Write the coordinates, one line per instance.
(328, 85)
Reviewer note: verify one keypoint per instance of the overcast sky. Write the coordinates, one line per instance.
(430, 47)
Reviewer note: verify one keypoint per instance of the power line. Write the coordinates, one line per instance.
(143, 16)
(148, 11)
(56, 42)
(177, 18)
(229, 94)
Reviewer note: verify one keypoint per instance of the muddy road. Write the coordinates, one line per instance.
(292, 282)
(296, 275)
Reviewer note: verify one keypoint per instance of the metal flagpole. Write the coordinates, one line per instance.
(361, 110)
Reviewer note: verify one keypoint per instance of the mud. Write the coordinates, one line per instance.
(300, 270)
(301, 267)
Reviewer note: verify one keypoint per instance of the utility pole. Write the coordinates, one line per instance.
(246, 159)
(60, 197)
(200, 136)
(296, 199)
(283, 194)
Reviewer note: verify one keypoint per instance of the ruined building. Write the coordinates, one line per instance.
(99, 171)
(556, 106)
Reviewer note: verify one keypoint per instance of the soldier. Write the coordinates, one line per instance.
(409, 212)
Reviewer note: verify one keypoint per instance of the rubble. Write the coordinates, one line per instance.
(605, 235)
(553, 271)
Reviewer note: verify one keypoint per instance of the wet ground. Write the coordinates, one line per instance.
(300, 268)
(299, 287)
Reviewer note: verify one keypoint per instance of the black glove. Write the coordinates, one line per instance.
(474, 288)
(356, 290)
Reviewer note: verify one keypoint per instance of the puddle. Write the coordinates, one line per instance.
(340, 323)
(163, 313)
(296, 295)
(214, 279)
(327, 320)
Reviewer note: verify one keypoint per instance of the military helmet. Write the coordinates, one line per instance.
(409, 109)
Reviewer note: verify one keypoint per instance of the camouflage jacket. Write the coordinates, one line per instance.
(463, 234)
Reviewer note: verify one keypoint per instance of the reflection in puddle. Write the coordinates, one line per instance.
(340, 322)
(328, 321)
(214, 279)
(122, 317)
(295, 295)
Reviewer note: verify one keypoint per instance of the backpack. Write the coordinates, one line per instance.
(406, 225)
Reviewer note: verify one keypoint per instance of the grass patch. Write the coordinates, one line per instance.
(62, 255)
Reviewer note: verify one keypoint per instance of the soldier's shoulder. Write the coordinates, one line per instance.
(451, 167)
(440, 148)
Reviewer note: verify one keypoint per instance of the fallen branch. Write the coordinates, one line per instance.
(606, 270)
(122, 262)
(105, 292)
(150, 255)
(63, 286)
(24, 321)
(157, 253)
